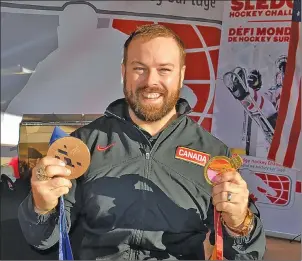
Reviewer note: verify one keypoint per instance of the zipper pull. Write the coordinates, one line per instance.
(147, 155)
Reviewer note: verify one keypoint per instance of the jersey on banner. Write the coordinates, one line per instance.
(65, 58)
(252, 63)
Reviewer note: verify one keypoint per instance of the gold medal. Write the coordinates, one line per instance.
(220, 164)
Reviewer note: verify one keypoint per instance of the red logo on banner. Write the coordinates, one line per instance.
(299, 187)
(193, 156)
(280, 184)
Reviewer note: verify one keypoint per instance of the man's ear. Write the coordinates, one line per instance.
(182, 74)
(123, 69)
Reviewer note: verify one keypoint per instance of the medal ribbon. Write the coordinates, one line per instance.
(65, 251)
(218, 248)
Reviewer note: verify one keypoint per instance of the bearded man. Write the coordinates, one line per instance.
(144, 196)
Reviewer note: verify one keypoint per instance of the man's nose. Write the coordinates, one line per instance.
(153, 77)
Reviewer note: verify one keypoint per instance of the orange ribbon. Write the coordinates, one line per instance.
(218, 248)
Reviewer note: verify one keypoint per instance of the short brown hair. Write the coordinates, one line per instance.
(151, 31)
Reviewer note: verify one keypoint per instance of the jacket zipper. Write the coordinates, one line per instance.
(138, 234)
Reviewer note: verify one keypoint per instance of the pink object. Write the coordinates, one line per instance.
(211, 175)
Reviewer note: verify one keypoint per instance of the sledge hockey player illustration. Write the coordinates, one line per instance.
(245, 88)
(274, 93)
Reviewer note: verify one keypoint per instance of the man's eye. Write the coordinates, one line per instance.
(165, 70)
(138, 68)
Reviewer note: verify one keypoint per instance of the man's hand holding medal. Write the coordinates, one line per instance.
(49, 181)
(67, 158)
(230, 197)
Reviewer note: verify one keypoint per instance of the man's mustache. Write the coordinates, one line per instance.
(148, 89)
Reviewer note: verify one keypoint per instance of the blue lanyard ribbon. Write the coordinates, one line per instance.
(65, 251)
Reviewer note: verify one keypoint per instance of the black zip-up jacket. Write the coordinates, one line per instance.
(142, 198)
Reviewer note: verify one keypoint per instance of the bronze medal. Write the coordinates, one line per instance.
(73, 152)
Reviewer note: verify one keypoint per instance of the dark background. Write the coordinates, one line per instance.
(13, 244)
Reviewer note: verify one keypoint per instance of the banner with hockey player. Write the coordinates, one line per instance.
(252, 64)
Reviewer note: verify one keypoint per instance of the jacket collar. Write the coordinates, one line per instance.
(119, 108)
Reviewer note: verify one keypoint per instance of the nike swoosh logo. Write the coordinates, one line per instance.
(100, 148)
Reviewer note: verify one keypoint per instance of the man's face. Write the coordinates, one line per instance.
(153, 76)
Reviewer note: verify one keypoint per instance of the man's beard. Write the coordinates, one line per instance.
(151, 112)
